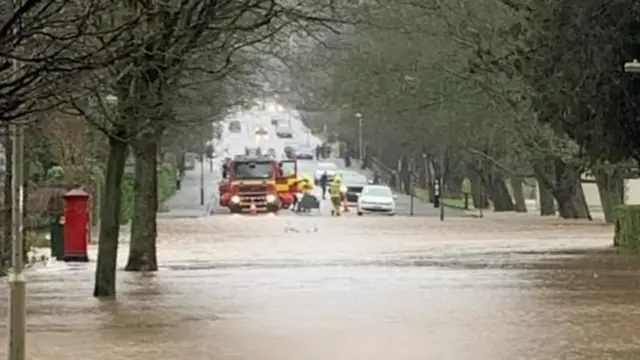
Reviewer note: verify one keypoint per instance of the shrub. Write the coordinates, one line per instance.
(627, 227)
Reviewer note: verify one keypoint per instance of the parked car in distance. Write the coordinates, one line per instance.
(354, 182)
(235, 126)
(261, 131)
(376, 199)
(330, 168)
(190, 160)
(253, 151)
(304, 153)
(284, 131)
(290, 152)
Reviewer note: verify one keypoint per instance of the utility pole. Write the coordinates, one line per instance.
(442, 169)
(360, 145)
(17, 281)
(202, 155)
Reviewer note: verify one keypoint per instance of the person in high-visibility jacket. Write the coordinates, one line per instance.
(304, 186)
(335, 191)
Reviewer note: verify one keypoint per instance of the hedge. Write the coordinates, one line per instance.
(627, 227)
(166, 189)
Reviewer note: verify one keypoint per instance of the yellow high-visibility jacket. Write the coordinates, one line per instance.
(305, 187)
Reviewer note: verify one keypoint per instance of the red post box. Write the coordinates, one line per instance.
(76, 225)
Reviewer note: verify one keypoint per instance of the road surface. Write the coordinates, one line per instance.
(349, 288)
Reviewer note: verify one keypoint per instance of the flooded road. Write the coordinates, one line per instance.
(296, 287)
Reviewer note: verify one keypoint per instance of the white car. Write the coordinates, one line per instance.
(376, 199)
(235, 126)
(330, 168)
(284, 131)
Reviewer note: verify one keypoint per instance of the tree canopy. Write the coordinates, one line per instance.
(499, 88)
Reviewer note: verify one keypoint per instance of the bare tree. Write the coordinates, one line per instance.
(46, 45)
(171, 41)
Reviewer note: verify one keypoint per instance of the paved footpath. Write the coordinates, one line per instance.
(186, 202)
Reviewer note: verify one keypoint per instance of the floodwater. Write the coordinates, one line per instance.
(307, 288)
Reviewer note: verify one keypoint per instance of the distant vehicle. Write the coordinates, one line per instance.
(354, 183)
(261, 131)
(250, 183)
(290, 151)
(235, 126)
(284, 131)
(190, 160)
(304, 153)
(330, 168)
(376, 199)
(252, 151)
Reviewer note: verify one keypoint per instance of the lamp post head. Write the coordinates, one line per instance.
(632, 67)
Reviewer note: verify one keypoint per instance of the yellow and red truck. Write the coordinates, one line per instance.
(251, 180)
(287, 182)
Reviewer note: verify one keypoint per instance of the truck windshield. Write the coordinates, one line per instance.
(253, 170)
(288, 168)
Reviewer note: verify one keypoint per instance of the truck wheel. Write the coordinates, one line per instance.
(359, 213)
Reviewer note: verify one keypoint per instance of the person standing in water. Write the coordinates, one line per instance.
(336, 196)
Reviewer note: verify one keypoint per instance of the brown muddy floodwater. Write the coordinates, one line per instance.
(321, 288)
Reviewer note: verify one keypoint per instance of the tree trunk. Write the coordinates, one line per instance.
(105, 279)
(520, 204)
(497, 191)
(582, 200)
(429, 178)
(406, 176)
(422, 173)
(403, 174)
(478, 192)
(563, 181)
(571, 203)
(568, 192)
(546, 201)
(142, 248)
(499, 195)
(611, 190)
(571, 200)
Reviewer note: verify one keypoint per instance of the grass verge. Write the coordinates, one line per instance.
(452, 203)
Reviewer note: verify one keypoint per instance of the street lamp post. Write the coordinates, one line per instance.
(360, 144)
(202, 155)
(17, 281)
(441, 181)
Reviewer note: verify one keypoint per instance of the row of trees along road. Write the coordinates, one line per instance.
(496, 90)
(122, 74)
